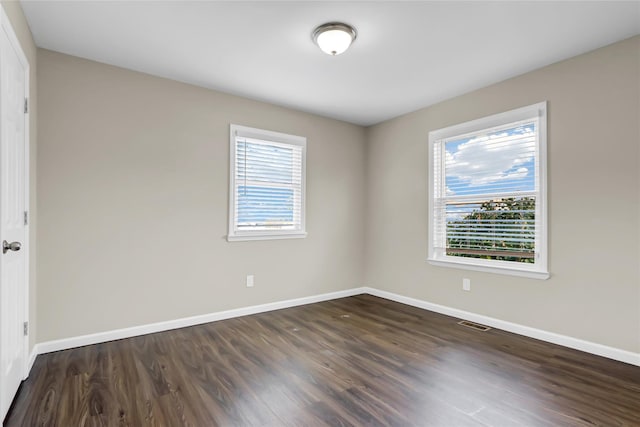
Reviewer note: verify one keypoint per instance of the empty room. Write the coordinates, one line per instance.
(320, 213)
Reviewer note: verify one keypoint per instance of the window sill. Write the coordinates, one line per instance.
(256, 236)
(541, 275)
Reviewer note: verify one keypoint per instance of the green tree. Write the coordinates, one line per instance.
(501, 229)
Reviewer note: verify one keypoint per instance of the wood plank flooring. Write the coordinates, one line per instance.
(354, 361)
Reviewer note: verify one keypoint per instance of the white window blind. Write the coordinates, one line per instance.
(487, 192)
(267, 191)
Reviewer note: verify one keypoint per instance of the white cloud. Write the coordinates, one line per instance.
(493, 158)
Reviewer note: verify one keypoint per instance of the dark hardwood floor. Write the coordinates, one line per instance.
(354, 361)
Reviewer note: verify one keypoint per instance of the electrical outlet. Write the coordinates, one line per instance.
(250, 281)
(466, 284)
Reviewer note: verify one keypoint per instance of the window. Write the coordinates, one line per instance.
(487, 194)
(267, 185)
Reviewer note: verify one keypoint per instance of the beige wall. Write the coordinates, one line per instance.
(594, 200)
(133, 190)
(21, 28)
(133, 195)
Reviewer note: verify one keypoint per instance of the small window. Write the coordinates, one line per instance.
(488, 194)
(267, 185)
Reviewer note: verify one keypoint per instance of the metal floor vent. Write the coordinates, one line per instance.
(476, 326)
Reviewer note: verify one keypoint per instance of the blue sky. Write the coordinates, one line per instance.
(485, 164)
(269, 164)
(275, 163)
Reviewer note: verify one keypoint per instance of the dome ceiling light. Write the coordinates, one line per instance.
(334, 38)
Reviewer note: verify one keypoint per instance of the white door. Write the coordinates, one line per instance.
(13, 229)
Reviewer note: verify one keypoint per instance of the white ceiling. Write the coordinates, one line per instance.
(407, 55)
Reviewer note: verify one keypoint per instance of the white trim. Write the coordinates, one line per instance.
(265, 236)
(35, 351)
(13, 39)
(499, 119)
(66, 343)
(563, 340)
(436, 255)
(5, 23)
(277, 138)
(281, 139)
(461, 264)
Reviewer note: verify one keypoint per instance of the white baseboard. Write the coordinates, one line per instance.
(563, 340)
(32, 358)
(575, 343)
(100, 337)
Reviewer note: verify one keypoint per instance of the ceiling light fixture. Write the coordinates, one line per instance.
(334, 37)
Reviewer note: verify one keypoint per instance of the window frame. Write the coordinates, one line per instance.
(537, 270)
(277, 138)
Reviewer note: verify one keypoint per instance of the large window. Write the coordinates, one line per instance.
(488, 194)
(267, 185)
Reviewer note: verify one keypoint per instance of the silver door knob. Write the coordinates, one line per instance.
(13, 246)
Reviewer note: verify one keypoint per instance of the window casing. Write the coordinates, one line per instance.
(267, 184)
(487, 194)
